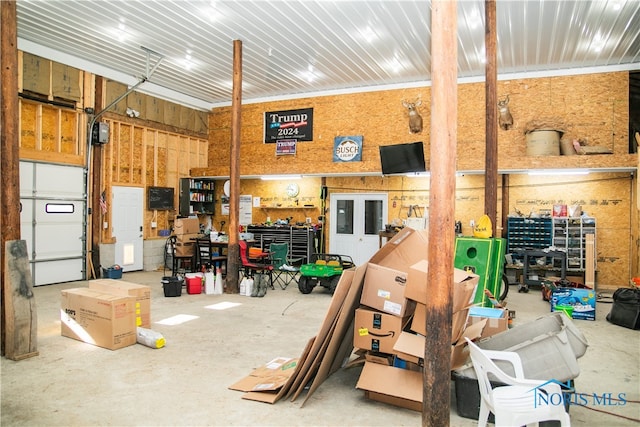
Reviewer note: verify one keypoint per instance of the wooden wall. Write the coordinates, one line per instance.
(589, 107)
(139, 156)
(594, 107)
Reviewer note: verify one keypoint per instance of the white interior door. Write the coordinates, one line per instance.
(127, 217)
(356, 220)
(52, 221)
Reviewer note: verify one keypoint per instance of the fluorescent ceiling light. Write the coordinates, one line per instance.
(418, 174)
(551, 172)
(279, 177)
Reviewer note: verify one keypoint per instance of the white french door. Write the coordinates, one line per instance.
(127, 217)
(355, 222)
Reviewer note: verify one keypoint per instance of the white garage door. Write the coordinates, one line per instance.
(52, 220)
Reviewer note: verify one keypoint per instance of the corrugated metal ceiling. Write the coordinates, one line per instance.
(298, 48)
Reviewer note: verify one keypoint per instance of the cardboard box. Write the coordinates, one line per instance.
(388, 268)
(186, 226)
(384, 290)
(411, 347)
(185, 248)
(98, 318)
(399, 387)
(497, 319)
(464, 285)
(458, 322)
(576, 302)
(141, 293)
(464, 289)
(269, 377)
(376, 331)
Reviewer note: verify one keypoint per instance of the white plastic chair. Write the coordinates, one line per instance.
(516, 403)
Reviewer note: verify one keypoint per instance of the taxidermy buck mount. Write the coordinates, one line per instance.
(415, 119)
(505, 119)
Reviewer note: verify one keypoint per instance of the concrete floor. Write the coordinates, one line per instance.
(71, 383)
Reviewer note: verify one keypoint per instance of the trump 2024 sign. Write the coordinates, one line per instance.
(291, 124)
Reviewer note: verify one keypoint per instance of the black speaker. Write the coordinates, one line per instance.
(323, 192)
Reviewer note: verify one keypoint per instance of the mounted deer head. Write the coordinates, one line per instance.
(505, 119)
(415, 119)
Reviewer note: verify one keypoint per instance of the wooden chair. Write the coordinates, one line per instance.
(209, 259)
(262, 264)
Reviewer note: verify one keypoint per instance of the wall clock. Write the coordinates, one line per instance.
(293, 190)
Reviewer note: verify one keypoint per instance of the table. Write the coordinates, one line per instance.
(205, 252)
(387, 234)
(529, 253)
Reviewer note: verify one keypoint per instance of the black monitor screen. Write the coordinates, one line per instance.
(402, 158)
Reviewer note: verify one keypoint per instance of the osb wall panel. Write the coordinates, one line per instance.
(592, 107)
(28, 125)
(68, 132)
(604, 196)
(49, 129)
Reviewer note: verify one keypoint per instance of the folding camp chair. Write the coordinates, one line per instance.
(286, 269)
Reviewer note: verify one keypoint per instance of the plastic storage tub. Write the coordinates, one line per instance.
(112, 273)
(548, 347)
(194, 283)
(172, 286)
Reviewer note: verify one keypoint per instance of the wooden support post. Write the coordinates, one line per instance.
(97, 218)
(21, 324)
(444, 104)
(491, 144)
(233, 255)
(9, 149)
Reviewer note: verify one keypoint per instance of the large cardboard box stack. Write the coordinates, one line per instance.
(99, 318)
(392, 313)
(141, 293)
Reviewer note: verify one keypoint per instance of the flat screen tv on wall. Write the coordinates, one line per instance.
(160, 198)
(402, 158)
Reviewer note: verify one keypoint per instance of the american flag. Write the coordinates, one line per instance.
(103, 202)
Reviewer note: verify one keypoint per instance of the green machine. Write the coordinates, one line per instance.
(484, 257)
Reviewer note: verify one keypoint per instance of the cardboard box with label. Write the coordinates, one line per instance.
(141, 293)
(186, 226)
(376, 331)
(98, 318)
(387, 270)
